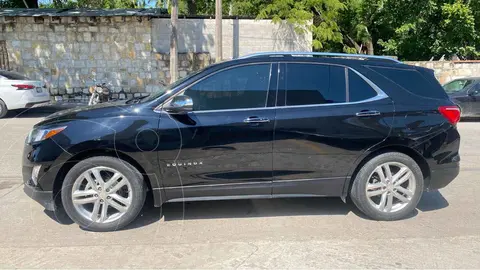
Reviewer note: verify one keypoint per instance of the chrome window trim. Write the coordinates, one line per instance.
(380, 94)
(268, 87)
(347, 86)
(278, 81)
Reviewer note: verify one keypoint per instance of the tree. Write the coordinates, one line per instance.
(318, 16)
(358, 25)
(204, 7)
(98, 4)
(421, 29)
(457, 33)
(18, 4)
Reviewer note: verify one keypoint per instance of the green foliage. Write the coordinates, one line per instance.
(18, 3)
(421, 29)
(318, 16)
(107, 4)
(358, 24)
(457, 33)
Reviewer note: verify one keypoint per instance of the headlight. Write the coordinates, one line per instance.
(40, 134)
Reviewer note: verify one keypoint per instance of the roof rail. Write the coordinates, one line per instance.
(324, 54)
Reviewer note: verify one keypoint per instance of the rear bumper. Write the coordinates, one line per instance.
(44, 198)
(28, 99)
(440, 178)
(31, 104)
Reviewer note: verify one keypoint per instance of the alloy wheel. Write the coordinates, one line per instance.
(101, 194)
(391, 186)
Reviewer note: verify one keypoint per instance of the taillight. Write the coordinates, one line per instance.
(451, 113)
(23, 86)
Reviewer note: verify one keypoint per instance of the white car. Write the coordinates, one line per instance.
(19, 92)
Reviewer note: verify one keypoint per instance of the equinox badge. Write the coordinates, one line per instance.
(190, 163)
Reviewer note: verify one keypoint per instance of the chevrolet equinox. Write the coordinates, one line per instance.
(365, 128)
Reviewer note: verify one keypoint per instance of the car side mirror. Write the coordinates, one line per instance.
(180, 104)
(475, 92)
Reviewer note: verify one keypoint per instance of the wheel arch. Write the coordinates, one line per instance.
(72, 161)
(417, 157)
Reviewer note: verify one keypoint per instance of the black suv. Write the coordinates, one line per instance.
(365, 128)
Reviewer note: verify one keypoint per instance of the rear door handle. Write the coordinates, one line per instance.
(367, 113)
(255, 119)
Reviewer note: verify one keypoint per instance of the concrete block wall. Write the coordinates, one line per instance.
(240, 37)
(446, 71)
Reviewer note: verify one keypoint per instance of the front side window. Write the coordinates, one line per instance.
(308, 84)
(235, 88)
(457, 85)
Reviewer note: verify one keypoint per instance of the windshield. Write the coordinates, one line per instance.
(457, 85)
(171, 86)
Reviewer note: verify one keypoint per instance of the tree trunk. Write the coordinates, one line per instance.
(174, 43)
(370, 50)
(192, 7)
(218, 31)
(30, 3)
(358, 48)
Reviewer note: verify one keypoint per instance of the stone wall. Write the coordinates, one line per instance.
(446, 71)
(69, 53)
(130, 53)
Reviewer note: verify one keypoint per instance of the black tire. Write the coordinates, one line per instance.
(131, 173)
(3, 109)
(358, 191)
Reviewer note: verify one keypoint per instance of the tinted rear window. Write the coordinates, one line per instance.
(13, 75)
(315, 84)
(412, 81)
(358, 88)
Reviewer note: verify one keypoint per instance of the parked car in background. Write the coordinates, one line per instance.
(268, 125)
(19, 92)
(465, 93)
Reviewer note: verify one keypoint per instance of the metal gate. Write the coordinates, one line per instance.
(4, 56)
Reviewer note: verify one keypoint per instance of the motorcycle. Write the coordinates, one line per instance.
(100, 93)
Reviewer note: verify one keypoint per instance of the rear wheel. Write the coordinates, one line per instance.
(3, 109)
(388, 187)
(103, 193)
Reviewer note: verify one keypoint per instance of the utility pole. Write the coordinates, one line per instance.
(218, 30)
(174, 43)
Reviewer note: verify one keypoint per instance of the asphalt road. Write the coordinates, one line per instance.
(283, 233)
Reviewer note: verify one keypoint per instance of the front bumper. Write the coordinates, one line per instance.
(42, 191)
(45, 198)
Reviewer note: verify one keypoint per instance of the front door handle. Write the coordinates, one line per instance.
(367, 113)
(255, 119)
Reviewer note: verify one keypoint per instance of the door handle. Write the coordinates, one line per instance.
(367, 113)
(255, 119)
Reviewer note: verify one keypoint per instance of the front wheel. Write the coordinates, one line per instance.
(103, 193)
(388, 187)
